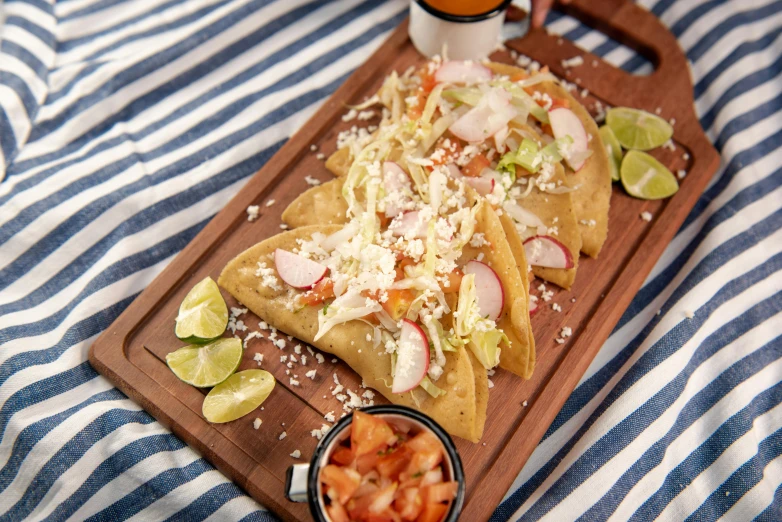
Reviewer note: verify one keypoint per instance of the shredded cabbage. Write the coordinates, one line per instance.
(483, 334)
(430, 388)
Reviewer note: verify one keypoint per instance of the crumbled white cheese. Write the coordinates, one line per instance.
(311, 374)
(681, 173)
(319, 433)
(320, 156)
(319, 357)
(524, 404)
(252, 212)
(491, 384)
(250, 336)
(646, 216)
(313, 182)
(257, 423)
(296, 454)
(282, 435)
(270, 202)
(313, 147)
(350, 115)
(559, 340)
(556, 307)
(258, 357)
(566, 332)
(294, 382)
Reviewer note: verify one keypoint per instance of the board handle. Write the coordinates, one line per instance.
(639, 29)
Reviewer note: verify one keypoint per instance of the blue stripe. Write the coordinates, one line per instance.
(207, 503)
(23, 90)
(695, 408)
(773, 513)
(741, 481)
(661, 350)
(69, 453)
(7, 140)
(92, 8)
(114, 466)
(44, 35)
(697, 462)
(150, 491)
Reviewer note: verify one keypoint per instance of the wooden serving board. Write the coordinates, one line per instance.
(131, 352)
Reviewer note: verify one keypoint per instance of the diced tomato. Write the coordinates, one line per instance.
(559, 103)
(423, 461)
(433, 513)
(382, 499)
(424, 441)
(428, 81)
(385, 516)
(384, 220)
(341, 481)
(521, 75)
(415, 112)
(394, 463)
(546, 128)
(337, 513)
(343, 456)
(442, 492)
(434, 476)
(367, 462)
(368, 433)
(454, 282)
(409, 504)
(398, 302)
(322, 291)
(475, 166)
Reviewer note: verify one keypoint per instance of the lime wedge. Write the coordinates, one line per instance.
(613, 148)
(203, 314)
(638, 130)
(646, 178)
(206, 366)
(238, 395)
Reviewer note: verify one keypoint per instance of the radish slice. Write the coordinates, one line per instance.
(298, 271)
(482, 186)
(533, 306)
(412, 357)
(462, 72)
(564, 122)
(395, 179)
(547, 252)
(490, 116)
(408, 223)
(454, 172)
(488, 289)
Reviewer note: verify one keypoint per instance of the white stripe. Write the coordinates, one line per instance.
(80, 469)
(66, 8)
(48, 446)
(14, 65)
(746, 102)
(144, 47)
(28, 41)
(705, 426)
(635, 397)
(93, 23)
(235, 509)
(151, 81)
(691, 497)
(180, 127)
(706, 289)
(757, 499)
(45, 409)
(704, 24)
(179, 498)
(12, 105)
(133, 478)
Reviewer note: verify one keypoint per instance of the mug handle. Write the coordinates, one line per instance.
(296, 482)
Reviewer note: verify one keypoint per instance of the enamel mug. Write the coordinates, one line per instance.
(302, 483)
(468, 37)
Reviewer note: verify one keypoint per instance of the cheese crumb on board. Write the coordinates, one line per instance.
(646, 216)
(252, 212)
(311, 374)
(296, 454)
(313, 182)
(257, 423)
(282, 435)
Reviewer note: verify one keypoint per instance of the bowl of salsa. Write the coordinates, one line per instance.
(382, 463)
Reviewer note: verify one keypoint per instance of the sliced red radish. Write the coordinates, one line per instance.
(482, 185)
(457, 71)
(409, 223)
(298, 271)
(395, 179)
(564, 122)
(412, 357)
(488, 289)
(533, 306)
(490, 116)
(547, 252)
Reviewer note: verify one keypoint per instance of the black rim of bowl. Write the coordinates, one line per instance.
(463, 19)
(450, 449)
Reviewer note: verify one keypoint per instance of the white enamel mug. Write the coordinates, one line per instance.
(465, 37)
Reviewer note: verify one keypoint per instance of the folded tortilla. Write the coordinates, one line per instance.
(461, 411)
(592, 199)
(509, 263)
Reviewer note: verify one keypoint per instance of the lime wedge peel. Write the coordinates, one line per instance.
(203, 315)
(638, 130)
(646, 178)
(208, 365)
(238, 395)
(614, 150)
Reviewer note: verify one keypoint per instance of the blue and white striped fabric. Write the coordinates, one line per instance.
(126, 125)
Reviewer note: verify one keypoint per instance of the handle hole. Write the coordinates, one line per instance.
(617, 48)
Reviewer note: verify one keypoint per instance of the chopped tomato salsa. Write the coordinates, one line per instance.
(385, 473)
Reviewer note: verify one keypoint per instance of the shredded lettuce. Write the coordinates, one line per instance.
(531, 157)
(430, 388)
(483, 334)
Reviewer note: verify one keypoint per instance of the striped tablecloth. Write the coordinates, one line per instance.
(126, 125)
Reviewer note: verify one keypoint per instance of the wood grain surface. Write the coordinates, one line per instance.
(131, 352)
